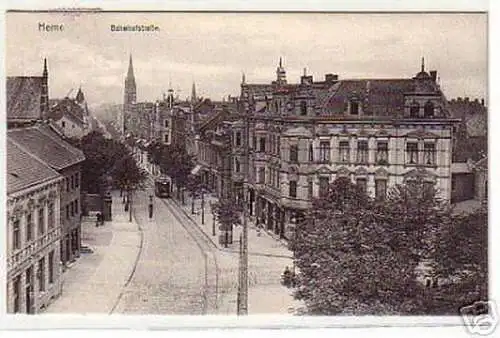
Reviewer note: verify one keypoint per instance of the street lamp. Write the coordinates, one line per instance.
(213, 219)
(202, 205)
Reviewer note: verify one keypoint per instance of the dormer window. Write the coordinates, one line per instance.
(414, 109)
(429, 109)
(354, 107)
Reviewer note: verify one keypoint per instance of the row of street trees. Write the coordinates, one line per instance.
(107, 161)
(360, 256)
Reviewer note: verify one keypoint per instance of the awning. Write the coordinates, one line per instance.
(196, 170)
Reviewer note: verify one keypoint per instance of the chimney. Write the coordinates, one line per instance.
(482, 102)
(433, 74)
(331, 77)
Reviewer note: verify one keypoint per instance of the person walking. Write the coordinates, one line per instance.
(150, 206)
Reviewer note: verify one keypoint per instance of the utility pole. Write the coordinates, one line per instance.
(202, 205)
(130, 205)
(243, 287)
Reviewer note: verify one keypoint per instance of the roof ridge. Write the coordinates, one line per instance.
(31, 154)
(59, 140)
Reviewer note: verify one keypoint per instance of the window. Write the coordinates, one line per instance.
(16, 238)
(72, 204)
(323, 186)
(414, 109)
(254, 142)
(294, 153)
(343, 151)
(51, 218)
(41, 274)
(362, 151)
(380, 189)
(262, 175)
(303, 108)
(324, 151)
(412, 152)
(361, 183)
(429, 153)
(238, 138)
(67, 183)
(29, 227)
(311, 153)
(354, 107)
(41, 221)
(237, 166)
(165, 123)
(77, 180)
(262, 144)
(72, 182)
(166, 138)
(76, 206)
(382, 152)
(63, 124)
(310, 189)
(277, 144)
(51, 267)
(67, 211)
(293, 189)
(17, 294)
(429, 109)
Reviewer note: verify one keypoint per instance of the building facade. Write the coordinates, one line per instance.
(33, 232)
(377, 132)
(46, 145)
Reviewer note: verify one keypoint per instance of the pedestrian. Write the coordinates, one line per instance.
(97, 219)
(150, 207)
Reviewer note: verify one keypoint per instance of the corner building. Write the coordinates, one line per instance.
(377, 132)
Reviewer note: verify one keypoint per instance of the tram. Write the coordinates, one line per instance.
(163, 186)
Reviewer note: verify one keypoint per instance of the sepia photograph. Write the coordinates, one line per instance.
(247, 163)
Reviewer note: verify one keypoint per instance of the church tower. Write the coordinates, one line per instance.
(194, 98)
(130, 87)
(280, 74)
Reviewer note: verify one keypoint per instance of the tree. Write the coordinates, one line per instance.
(359, 256)
(128, 175)
(461, 262)
(228, 215)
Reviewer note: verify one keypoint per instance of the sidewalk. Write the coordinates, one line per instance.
(259, 245)
(94, 282)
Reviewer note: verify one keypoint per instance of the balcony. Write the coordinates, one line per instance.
(19, 256)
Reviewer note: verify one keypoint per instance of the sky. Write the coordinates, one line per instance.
(214, 49)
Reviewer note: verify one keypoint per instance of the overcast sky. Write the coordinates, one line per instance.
(214, 49)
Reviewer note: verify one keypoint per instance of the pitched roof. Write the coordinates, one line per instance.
(43, 143)
(24, 95)
(67, 107)
(25, 170)
(380, 97)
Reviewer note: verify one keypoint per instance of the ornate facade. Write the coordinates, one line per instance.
(378, 132)
(33, 232)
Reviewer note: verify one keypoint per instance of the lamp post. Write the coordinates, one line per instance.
(202, 205)
(213, 219)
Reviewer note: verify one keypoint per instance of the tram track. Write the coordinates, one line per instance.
(207, 249)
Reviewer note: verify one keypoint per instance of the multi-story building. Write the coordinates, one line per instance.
(377, 132)
(33, 231)
(71, 116)
(44, 144)
(215, 157)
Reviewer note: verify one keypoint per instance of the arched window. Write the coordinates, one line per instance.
(414, 109)
(429, 109)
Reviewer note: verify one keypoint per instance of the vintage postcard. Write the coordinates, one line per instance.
(215, 163)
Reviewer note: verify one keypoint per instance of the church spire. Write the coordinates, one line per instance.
(45, 71)
(130, 73)
(423, 65)
(193, 93)
(280, 73)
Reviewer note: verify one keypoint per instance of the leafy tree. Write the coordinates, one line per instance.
(227, 214)
(128, 175)
(461, 262)
(359, 256)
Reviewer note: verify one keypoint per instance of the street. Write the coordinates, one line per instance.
(168, 265)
